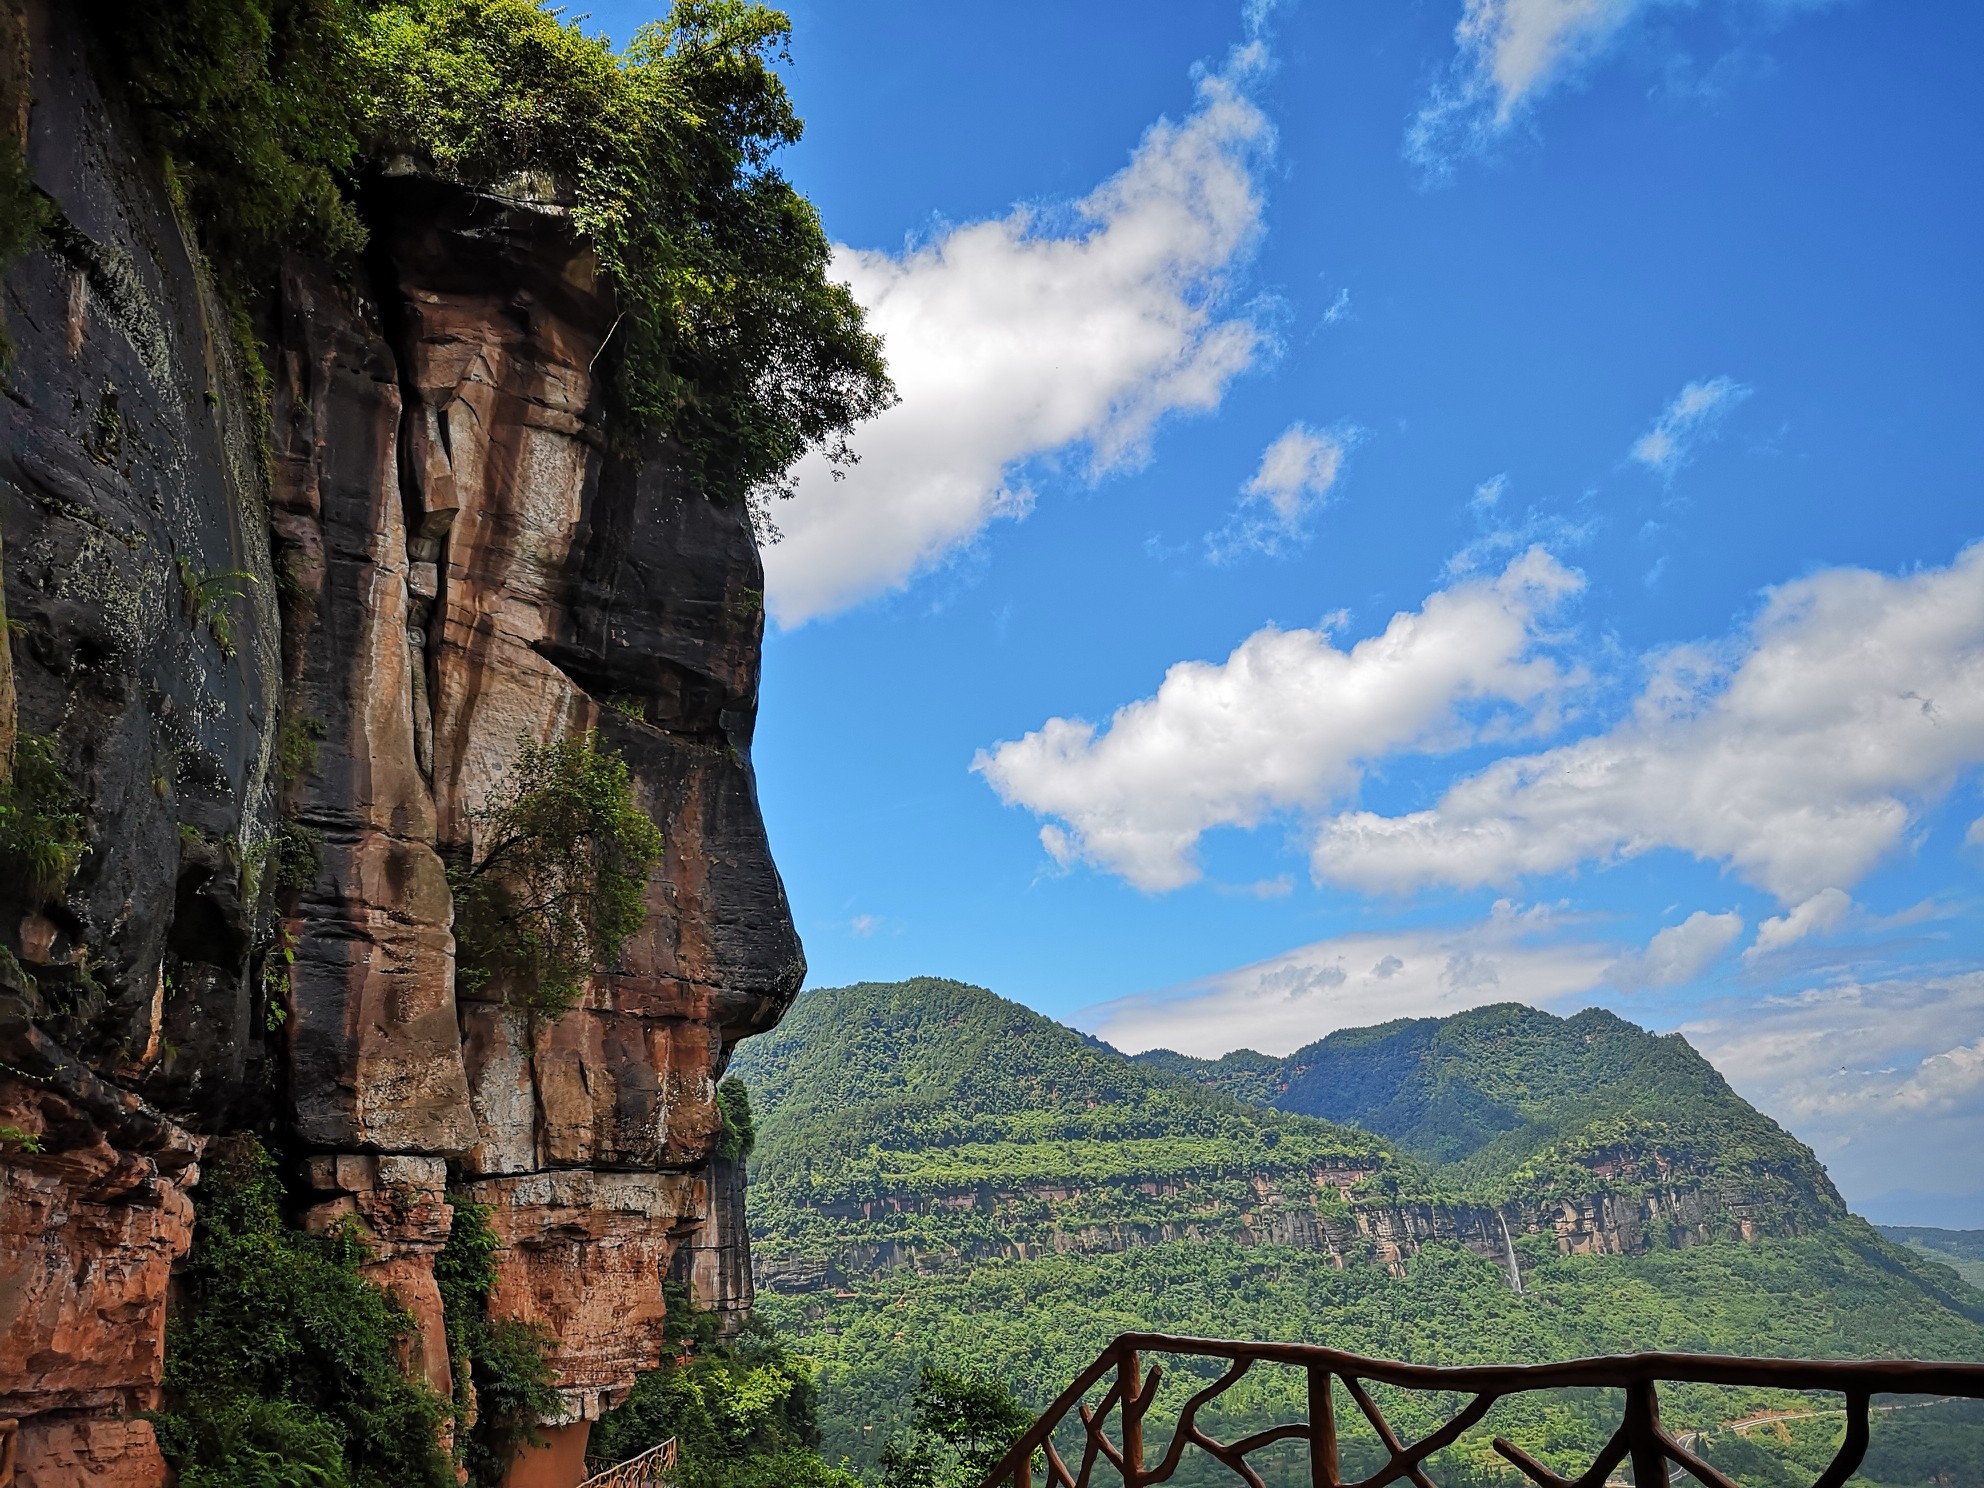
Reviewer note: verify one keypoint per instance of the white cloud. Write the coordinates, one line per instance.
(1009, 341)
(1286, 721)
(1278, 1005)
(1678, 954)
(1856, 699)
(1885, 1079)
(864, 924)
(1946, 1080)
(1813, 916)
(1975, 836)
(1298, 471)
(1689, 418)
(1510, 53)
(1850, 1050)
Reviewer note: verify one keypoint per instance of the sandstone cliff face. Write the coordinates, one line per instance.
(713, 1264)
(434, 554)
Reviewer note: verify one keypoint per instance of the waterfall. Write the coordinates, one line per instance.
(1515, 1272)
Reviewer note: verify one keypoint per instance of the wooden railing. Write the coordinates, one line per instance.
(1640, 1440)
(654, 1468)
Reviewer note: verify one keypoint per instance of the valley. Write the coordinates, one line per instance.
(941, 1174)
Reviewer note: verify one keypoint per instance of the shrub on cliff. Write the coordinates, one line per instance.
(503, 1379)
(557, 878)
(730, 338)
(282, 1361)
(41, 823)
(740, 1133)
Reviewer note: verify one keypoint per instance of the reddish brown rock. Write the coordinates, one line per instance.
(88, 1236)
(375, 1054)
(584, 1253)
(400, 1207)
(89, 1451)
(464, 559)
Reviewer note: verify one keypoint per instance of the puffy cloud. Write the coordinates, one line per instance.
(1813, 916)
(1680, 953)
(1009, 339)
(1286, 721)
(1298, 471)
(1689, 418)
(1855, 700)
(1280, 1004)
(1945, 1081)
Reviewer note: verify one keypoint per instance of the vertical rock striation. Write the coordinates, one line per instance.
(433, 554)
(713, 1264)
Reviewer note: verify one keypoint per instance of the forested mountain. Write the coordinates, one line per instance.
(1492, 1088)
(945, 1176)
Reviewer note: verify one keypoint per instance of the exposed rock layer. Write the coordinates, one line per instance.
(1688, 1210)
(349, 623)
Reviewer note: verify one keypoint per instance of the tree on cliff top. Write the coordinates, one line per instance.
(730, 337)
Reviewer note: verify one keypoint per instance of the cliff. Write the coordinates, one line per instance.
(327, 620)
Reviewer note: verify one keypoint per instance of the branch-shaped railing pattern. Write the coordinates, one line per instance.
(1641, 1441)
(651, 1469)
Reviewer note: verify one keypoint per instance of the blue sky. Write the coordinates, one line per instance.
(1396, 506)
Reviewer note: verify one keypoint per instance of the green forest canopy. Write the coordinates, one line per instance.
(732, 339)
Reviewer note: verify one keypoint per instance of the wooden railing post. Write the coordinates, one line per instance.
(1323, 1471)
(1640, 1439)
(1129, 1374)
(1643, 1433)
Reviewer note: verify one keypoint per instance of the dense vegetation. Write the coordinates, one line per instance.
(1504, 1089)
(743, 1413)
(1961, 1250)
(960, 1425)
(282, 1361)
(932, 1120)
(730, 338)
(932, 1115)
(990, 1193)
(1037, 1322)
(558, 875)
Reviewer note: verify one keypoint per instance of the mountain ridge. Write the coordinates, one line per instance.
(892, 1112)
(1493, 1086)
